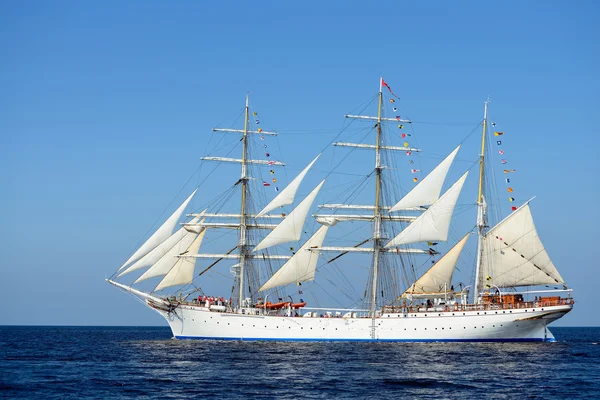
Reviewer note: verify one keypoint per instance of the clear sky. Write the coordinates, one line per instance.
(106, 107)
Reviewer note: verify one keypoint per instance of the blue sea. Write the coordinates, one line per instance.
(131, 362)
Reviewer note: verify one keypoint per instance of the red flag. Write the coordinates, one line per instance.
(513, 208)
(389, 88)
(266, 184)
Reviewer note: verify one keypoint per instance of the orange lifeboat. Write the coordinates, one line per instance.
(298, 305)
(273, 306)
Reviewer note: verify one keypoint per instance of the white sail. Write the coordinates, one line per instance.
(301, 267)
(428, 190)
(513, 254)
(161, 234)
(286, 196)
(439, 277)
(290, 229)
(162, 249)
(434, 223)
(167, 261)
(183, 270)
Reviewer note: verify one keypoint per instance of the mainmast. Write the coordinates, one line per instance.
(377, 211)
(377, 217)
(244, 181)
(481, 206)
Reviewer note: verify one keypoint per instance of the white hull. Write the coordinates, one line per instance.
(191, 322)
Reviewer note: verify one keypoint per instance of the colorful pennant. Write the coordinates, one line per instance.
(389, 88)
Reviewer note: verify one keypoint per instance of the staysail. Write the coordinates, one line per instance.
(290, 229)
(286, 196)
(434, 223)
(301, 267)
(161, 234)
(183, 270)
(440, 274)
(162, 249)
(513, 254)
(428, 190)
(166, 262)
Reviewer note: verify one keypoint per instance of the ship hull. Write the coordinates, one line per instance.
(509, 325)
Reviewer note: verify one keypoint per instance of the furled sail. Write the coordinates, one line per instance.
(167, 261)
(286, 196)
(513, 254)
(162, 249)
(439, 276)
(301, 267)
(428, 190)
(434, 223)
(290, 229)
(183, 270)
(161, 234)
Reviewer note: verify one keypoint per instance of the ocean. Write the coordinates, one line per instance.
(48, 362)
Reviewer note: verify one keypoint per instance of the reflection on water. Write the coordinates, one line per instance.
(75, 362)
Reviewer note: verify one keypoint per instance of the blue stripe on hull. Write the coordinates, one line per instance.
(366, 340)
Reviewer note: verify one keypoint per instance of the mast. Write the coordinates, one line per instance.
(480, 206)
(377, 210)
(244, 182)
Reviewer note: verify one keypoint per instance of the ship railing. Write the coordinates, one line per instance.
(417, 309)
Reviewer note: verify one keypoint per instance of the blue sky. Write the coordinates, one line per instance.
(106, 107)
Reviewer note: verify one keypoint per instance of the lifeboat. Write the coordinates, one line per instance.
(278, 306)
(273, 306)
(298, 305)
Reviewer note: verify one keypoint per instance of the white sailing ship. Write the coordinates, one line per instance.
(509, 299)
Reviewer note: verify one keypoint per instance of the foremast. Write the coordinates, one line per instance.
(481, 206)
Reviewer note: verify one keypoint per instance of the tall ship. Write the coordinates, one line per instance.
(231, 269)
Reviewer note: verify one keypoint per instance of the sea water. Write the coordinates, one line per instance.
(133, 362)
